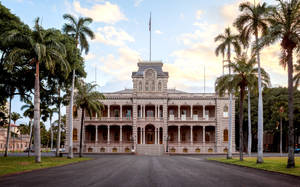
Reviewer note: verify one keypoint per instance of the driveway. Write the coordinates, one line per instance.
(130, 170)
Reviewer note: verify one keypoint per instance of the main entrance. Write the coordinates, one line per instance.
(150, 134)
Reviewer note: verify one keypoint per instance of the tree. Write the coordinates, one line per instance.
(297, 74)
(253, 20)
(29, 112)
(15, 117)
(285, 26)
(41, 48)
(244, 72)
(79, 30)
(228, 40)
(88, 101)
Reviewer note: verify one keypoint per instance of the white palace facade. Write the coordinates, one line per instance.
(152, 119)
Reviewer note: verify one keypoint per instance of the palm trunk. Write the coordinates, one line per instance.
(229, 153)
(241, 116)
(70, 155)
(30, 136)
(260, 125)
(51, 145)
(36, 122)
(81, 129)
(249, 124)
(280, 135)
(291, 156)
(8, 128)
(59, 126)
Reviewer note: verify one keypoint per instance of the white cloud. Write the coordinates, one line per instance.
(105, 12)
(137, 2)
(158, 32)
(109, 35)
(199, 14)
(89, 56)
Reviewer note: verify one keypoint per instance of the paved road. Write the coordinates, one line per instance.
(129, 170)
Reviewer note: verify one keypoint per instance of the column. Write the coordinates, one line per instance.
(96, 133)
(108, 111)
(203, 111)
(108, 134)
(192, 135)
(141, 135)
(191, 111)
(121, 111)
(155, 134)
(203, 134)
(178, 112)
(179, 134)
(158, 135)
(144, 136)
(159, 111)
(121, 135)
(141, 113)
(144, 111)
(83, 133)
(155, 112)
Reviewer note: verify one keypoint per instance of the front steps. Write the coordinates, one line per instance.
(150, 149)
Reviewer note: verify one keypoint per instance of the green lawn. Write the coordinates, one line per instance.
(277, 164)
(9, 165)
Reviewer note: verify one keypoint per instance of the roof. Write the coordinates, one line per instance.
(156, 66)
(125, 91)
(175, 91)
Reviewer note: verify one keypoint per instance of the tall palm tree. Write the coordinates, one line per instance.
(41, 47)
(244, 72)
(89, 101)
(29, 112)
(253, 21)
(79, 30)
(228, 41)
(50, 112)
(297, 74)
(285, 26)
(15, 117)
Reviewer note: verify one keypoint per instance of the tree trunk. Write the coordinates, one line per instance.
(291, 156)
(280, 135)
(241, 115)
(229, 153)
(36, 122)
(59, 126)
(260, 125)
(8, 128)
(51, 128)
(30, 136)
(249, 124)
(70, 155)
(81, 129)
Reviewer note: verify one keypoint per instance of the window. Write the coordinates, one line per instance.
(152, 86)
(140, 86)
(74, 134)
(75, 111)
(159, 86)
(225, 135)
(225, 111)
(147, 86)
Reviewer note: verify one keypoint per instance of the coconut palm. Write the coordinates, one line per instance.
(89, 101)
(285, 26)
(41, 47)
(15, 117)
(253, 21)
(244, 72)
(79, 30)
(228, 41)
(29, 112)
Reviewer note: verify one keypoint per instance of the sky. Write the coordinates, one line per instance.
(183, 35)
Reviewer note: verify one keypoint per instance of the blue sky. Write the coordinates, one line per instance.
(182, 37)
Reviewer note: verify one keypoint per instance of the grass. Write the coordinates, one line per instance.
(277, 164)
(10, 165)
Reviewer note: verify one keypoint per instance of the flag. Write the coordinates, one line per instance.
(150, 22)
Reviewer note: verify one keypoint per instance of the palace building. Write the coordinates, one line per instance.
(152, 119)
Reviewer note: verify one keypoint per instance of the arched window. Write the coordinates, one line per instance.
(225, 111)
(152, 86)
(74, 134)
(147, 86)
(159, 86)
(75, 114)
(225, 135)
(140, 86)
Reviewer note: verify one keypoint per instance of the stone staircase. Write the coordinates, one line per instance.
(150, 149)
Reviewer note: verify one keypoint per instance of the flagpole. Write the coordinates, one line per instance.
(150, 37)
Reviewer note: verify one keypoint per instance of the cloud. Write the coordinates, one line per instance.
(137, 2)
(105, 12)
(89, 56)
(199, 14)
(109, 35)
(158, 32)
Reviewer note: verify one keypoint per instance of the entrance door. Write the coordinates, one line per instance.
(150, 134)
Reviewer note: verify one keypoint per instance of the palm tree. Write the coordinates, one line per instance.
(297, 74)
(228, 41)
(253, 20)
(50, 112)
(285, 26)
(244, 72)
(41, 48)
(29, 112)
(79, 30)
(15, 117)
(89, 101)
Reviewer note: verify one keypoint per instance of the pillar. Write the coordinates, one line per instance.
(191, 134)
(108, 111)
(121, 135)
(179, 134)
(159, 135)
(144, 136)
(121, 111)
(203, 111)
(108, 134)
(141, 135)
(178, 112)
(155, 135)
(96, 133)
(155, 112)
(144, 111)
(159, 111)
(203, 134)
(191, 111)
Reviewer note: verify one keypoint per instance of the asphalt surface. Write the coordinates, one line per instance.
(130, 170)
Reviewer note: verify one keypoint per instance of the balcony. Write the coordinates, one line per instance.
(108, 119)
(150, 119)
(194, 118)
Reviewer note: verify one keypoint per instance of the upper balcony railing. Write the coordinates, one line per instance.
(194, 118)
(109, 118)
